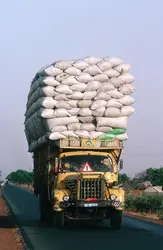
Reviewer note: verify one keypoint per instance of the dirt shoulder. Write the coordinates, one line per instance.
(10, 237)
(146, 217)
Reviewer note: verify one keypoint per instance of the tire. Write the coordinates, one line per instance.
(46, 211)
(116, 220)
(59, 219)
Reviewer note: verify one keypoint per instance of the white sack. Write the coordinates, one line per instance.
(115, 94)
(61, 113)
(63, 64)
(61, 97)
(73, 103)
(70, 134)
(127, 100)
(61, 121)
(127, 89)
(43, 81)
(86, 119)
(93, 85)
(50, 81)
(104, 65)
(112, 112)
(84, 77)
(48, 91)
(61, 77)
(127, 111)
(111, 73)
(114, 103)
(89, 95)
(122, 137)
(80, 64)
(101, 78)
(102, 96)
(50, 113)
(45, 113)
(51, 71)
(104, 129)
(80, 87)
(85, 112)
(82, 133)
(87, 127)
(74, 111)
(120, 122)
(40, 93)
(74, 126)
(45, 102)
(70, 80)
(98, 104)
(127, 78)
(73, 71)
(84, 103)
(56, 136)
(63, 105)
(117, 82)
(64, 89)
(76, 96)
(114, 60)
(95, 134)
(92, 70)
(123, 68)
(59, 129)
(92, 60)
(99, 111)
(106, 86)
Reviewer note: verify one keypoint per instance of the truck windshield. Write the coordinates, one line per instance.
(86, 163)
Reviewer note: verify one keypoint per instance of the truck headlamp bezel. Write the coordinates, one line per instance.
(66, 198)
(113, 197)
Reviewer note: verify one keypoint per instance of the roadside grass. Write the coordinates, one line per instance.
(145, 204)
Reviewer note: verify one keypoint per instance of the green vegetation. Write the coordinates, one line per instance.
(21, 177)
(145, 204)
(154, 175)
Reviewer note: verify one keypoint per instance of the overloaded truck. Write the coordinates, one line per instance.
(78, 179)
(76, 123)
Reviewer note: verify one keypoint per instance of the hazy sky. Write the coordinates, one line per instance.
(36, 33)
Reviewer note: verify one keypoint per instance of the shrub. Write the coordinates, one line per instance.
(144, 203)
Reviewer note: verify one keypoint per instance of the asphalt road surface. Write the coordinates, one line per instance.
(134, 235)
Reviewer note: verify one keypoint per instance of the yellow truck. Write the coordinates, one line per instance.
(77, 179)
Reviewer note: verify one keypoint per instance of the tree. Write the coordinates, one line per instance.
(21, 177)
(154, 175)
(122, 178)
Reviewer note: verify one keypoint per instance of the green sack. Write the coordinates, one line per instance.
(107, 136)
(112, 134)
(119, 131)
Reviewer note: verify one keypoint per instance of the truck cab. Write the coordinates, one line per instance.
(77, 179)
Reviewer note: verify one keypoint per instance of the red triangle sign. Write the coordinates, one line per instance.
(86, 167)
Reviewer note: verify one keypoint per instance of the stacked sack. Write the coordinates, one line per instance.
(86, 98)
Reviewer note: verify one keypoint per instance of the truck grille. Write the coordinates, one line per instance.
(90, 188)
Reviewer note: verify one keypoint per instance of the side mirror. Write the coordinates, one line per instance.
(121, 164)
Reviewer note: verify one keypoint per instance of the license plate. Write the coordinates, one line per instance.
(91, 205)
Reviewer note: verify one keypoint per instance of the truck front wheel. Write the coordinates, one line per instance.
(59, 219)
(116, 220)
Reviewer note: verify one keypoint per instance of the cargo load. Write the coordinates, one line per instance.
(88, 98)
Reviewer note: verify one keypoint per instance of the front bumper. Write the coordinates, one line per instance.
(91, 204)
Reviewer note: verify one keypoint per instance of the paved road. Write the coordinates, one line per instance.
(135, 235)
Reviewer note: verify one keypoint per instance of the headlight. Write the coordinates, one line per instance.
(66, 198)
(113, 197)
